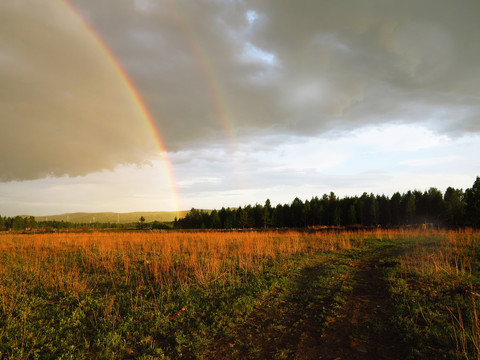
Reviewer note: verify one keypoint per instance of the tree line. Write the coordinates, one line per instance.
(453, 208)
(28, 223)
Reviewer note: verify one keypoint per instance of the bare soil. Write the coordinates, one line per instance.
(309, 322)
(364, 329)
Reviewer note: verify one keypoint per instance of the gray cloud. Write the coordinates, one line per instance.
(314, 65)
(63, 107)
(272, 67)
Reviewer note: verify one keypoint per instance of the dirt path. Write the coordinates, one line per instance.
(336, 309)
(363, 329)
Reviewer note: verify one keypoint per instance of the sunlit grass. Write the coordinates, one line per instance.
(81, 261)
(437, 286)
(125, 294)
(451, 254)
(114, 282)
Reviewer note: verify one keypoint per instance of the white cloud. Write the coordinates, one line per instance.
(398, 137)
(430, 161)
(253, 53)
(190, 183)
(251, 16)
(127, 188)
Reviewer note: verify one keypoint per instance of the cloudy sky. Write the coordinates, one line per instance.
(128, 105)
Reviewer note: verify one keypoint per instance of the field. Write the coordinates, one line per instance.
(397, 294)
(114, 218)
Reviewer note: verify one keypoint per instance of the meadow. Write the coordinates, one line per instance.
(394, 294)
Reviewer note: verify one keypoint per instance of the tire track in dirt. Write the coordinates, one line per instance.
(275, 327)
(308, 320)
(364, 328)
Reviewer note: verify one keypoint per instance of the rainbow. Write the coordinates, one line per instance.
(214, 87)
(206, 69)
(132, 90)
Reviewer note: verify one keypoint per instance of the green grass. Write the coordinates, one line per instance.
(285, 306)
(112, 217)
(435, 298)
(109, 323)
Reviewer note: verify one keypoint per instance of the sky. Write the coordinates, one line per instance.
(162, 105)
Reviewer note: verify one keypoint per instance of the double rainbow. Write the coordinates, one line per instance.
(132, 90)
(210, 78)
(206, 69)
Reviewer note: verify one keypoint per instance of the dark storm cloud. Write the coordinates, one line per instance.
(297, 67)
(272, 67)
(63, 108)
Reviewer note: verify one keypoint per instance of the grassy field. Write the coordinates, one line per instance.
(243, 295)
(114, 218)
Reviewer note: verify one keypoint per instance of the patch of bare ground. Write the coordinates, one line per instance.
(335, 309)
(279, 320)
(364, 328)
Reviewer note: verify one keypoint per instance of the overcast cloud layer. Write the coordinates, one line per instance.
(63, 106)
(298, 67)
(223, 78)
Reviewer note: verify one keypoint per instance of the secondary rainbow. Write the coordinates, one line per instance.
(206, 69)
(137, 98)
(212, 84)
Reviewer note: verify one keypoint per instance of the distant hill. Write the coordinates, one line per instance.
(112, 217)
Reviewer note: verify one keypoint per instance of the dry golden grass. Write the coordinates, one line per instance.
(67, 261)
(452, 255)
(115, 282)
(441, 269)
(85, 262)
